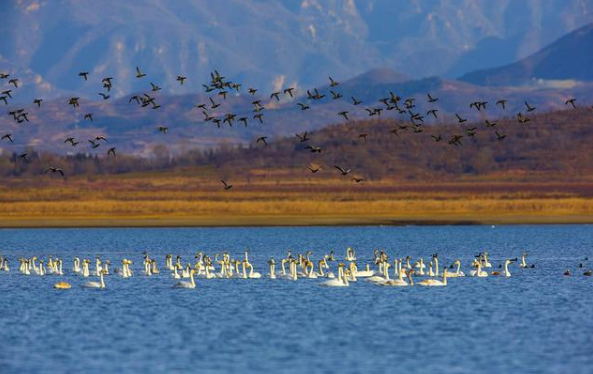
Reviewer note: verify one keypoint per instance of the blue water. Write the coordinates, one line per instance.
(537, 321)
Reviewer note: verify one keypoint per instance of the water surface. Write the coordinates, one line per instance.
(537, 321)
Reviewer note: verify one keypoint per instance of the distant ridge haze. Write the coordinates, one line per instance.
(267, 43)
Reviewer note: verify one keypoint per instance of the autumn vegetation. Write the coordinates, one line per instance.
(542, 172)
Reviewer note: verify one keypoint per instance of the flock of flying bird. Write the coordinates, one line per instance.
(302, 266)
(219, 88)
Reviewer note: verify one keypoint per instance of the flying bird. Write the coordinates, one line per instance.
(163, 129)
(226, 185)
(342, 170)
(84, 74)
(104, 96)
(7, 136)
(355, 102)
(333, 83)
(303, 138)
(139, 74)
(38, 102)
(571, 102)
(459, 119)
(181, 79)
(529, 107)
(111, 151)
(344, 114)
(431, 99)
(89, 116)
(55, 170)
(502, 103)
(262, 139)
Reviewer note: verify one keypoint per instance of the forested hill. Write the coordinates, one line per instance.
(554, 145)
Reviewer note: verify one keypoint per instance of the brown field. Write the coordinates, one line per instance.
(172, 199)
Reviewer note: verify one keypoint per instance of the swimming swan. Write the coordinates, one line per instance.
(100, 284)
(435, 282)
(186, 284)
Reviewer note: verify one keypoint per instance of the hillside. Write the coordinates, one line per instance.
(552, 146)
(133, 129)
(568, 58)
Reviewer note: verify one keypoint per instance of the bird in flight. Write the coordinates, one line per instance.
(333, 83)
(571, 102)
(303, 138)
(289, 91)
(104, 96)
(155, 88)
(314, 169)
(502, 103)
(342, 170)
(252, 91)
(84, 74)
(89, 116)
(490, 124)
(529, 107)
(437, 138)
(500, 136)
(15, 82)
(7, 136)
(262, 139)
(521, 118)
(313, 149)
(459, 119)
(456, 140)
(111, 151)
(38, 102)
(433, 112)
(94, 144)
(344, 114)
(226, 185)
(303, 106)
(163, 129)
(55, 170)
(259, 116)
(431, 99)
(24, 156)
(139, 74)
(181, 79)
(4, 76)
(275, 95)
(355, 102)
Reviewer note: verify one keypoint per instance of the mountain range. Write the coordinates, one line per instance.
(267, 43)
(75, 37)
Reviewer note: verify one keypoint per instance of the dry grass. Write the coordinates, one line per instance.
(163, 199)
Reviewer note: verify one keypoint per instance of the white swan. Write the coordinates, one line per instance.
(399, 282)
(186, 284)
(435, 282)
(340, 281)
(350, 254)
(457, 273)
(478, 272)
(506, 272)
(100, 284)
(487, 263)
(365, 273)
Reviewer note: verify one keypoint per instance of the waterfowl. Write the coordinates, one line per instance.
(399, 282)
(588, 273)
(478, 272)
(340, 281)
(435, 282)
(506, 272)
(350, 254)
(457, 273)
(62, 286)
(186, 284)
(100, 284)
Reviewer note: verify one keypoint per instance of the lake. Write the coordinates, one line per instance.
(537, 321)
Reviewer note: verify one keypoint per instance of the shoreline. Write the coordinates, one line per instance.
(288, 221)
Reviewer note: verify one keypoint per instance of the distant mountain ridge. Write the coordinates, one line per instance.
(266, 43)
(568, 58)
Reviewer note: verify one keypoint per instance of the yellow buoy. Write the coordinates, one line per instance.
(63, 285)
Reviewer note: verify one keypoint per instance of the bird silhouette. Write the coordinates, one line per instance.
(502, 103)
(500, 136)
(344, 114)
(262, 139)
(433, 112)
(252, 91)
(313, 149)
(303, 138)
(226, 185)
(163, 129)
(355, 102)
(7, 93)
(431, 99)
(84, 74)
(154, 88)
(7, 136)
(437, 138)
(571, 102)
(4, 76)
(104, 96)
(24, 156)
(181, 79)
(89, 116)
(529, 107)
(111, 151)
(275, 95)
(288, 91)
(15, 82)
(342, 170)
(94, 144)
(259, 117)
(139, 74)
(333, 83)
(303, 106)
(38, 102)
(459, 119)
(490, 124)
(55, 170)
